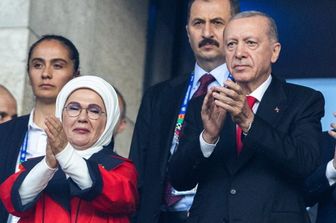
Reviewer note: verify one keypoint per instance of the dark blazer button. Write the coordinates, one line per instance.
(233, 191)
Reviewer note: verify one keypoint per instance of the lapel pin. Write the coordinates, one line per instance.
(277, 109)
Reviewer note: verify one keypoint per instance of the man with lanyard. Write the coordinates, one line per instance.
(161, 114)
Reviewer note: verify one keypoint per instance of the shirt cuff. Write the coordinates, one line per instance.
(207, 148)
(331, 173)
(75, 167)
(36, 180)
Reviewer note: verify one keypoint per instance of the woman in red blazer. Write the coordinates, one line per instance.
(80, 179)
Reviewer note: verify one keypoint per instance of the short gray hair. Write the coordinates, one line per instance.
(272, 27)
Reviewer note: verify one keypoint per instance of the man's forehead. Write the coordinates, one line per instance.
(243, 25)
(251, 20)
(4, 103)
(210, 9)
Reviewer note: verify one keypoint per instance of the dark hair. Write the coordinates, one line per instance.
(234, 5)
(72, 50)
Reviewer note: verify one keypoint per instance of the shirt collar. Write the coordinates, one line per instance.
(260, 91)
(220, 73)
(31, 124)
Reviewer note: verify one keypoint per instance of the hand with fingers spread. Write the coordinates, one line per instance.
(57, 139)
(213, 117)
(232, 99)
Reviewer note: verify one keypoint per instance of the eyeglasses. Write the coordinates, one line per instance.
(93, 111)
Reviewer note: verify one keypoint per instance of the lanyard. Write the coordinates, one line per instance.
(23, 149)
(182, 112)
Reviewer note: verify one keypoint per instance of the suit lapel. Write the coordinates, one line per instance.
(274, 103)
(15, 141)
(271, 108)
(227, 148)
(169, 109)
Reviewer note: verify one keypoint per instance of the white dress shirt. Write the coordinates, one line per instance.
(331, 173)
(36, 146)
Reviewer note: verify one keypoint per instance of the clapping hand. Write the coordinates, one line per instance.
(213, 117)
(221, 100)
(56, 140)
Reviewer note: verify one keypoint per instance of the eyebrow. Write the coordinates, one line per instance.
(202, 19)
(197, 19)
(52, 60)
(217, 18)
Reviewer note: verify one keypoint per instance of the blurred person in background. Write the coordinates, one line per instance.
(321, 185)
(8, 105)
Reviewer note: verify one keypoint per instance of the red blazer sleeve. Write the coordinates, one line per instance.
(119, 192)
(6, 194)
(114, 185)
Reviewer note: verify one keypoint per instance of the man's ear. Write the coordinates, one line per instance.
(121, 126)
(275, 52)
(187, 29)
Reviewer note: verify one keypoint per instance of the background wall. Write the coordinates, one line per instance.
(14, 35)
(110, 36)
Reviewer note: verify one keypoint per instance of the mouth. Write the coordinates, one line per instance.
(46, 86)
(240, 67)
(208, 46)
(81, 130)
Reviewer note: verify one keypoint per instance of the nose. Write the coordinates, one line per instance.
(240, 51)
(83, 115)
(47, 72)
(207, 31)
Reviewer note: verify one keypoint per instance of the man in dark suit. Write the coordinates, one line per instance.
(249, 163)
(320, 186)
(156, 128)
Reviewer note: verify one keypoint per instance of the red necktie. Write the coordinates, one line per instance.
(170, 198)
(205, 80)
(250, 101)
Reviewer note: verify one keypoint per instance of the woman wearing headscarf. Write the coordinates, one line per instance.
(80, 179)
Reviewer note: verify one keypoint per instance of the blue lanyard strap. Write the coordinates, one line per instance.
(23, 149)
(183, 110)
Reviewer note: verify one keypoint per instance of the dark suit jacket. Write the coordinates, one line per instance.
(317, 186)
(152, 137)
(11, 138)
(263, 184)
